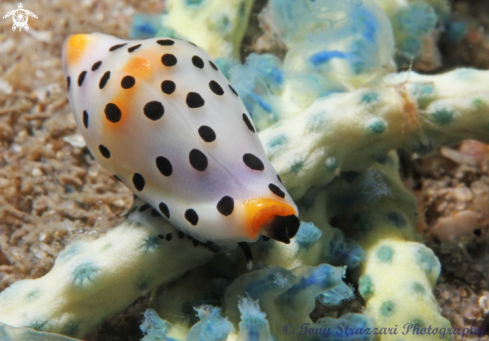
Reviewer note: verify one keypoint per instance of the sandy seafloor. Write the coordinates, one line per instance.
(52, 191)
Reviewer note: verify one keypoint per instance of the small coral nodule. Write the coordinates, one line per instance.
(84, 274)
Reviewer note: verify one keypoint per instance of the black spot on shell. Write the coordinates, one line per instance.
(207, 134)
(225, 206)
(276, 190)
(155, 213)
(165, 42)
(168, 87)
(128, 82)
(192, 217)
(154, 110)
(162, 237)
(181, 234)
(195, 242)
(116, 47)
(126, 215)
(104, 151)
(216, 88)
(248, 123)
(68, 82)
(81, 78)
(131, 211)
(169, 236)
(213, 65)
(85, 119)
(164, 166)
(113, 113)
(253, 162)
(104, 79)
(278, 177)
(198, 62)
(133, 48)
(198, 160)
(169, 59)
(194, 100)
(232, 89)
(144, 207)
(96, 65)
(138, 181)
(164, 209)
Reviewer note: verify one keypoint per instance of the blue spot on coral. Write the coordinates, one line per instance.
(297, 166)
(106, 246)
(39, 324)
(275, 144)
(423, 147)
(84, 274)
(331, 164)
(465, 74)
(423, 90)
(366, 287)
(370, 97)
(419, 322)
(385, 253)
(397, 219)
(377, 126)
(33, 295)
(443, 116)
(317, 121)
(418, 288)
(277, 140)
(387, 308)
(220, 24)
(71, 251)
(479, 103)
(427, 260)
(194, 2)
(142, 283)
(71, 328)
(150, 244)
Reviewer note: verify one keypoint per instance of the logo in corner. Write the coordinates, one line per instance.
(20, 16)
